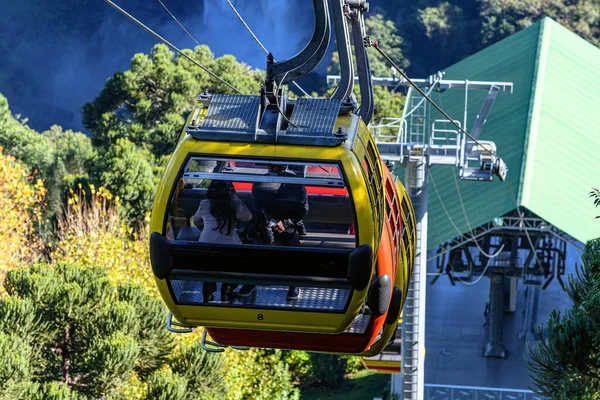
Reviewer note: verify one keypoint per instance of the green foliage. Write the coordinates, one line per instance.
(203, 371)
(366, 384)
(56, 156)
(16, 368)
(152, 337)
(565, 363)
(446, 28)
(113, 359)
(148, 103)
(300, 364)
(384, 31)
(353, 364)
(127, 171)
(327, 370)
(80, 330)
(55, 391)
(595, 194)
(165, 385)
(387, 103)
(72, 154)
(258, 374)
(34, 152)
(501, 18)
(310, 370)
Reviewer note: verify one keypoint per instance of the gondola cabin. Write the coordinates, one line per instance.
(310, 154)
(376, 325)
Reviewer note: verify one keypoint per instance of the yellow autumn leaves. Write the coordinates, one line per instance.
(88, 232)
(21, 202)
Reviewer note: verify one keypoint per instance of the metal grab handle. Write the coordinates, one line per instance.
(305, 61)
(171, 323)
(216, 347)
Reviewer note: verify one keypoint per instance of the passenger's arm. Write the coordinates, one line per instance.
(241, 211)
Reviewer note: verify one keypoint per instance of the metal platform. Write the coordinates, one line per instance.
(314, 121)
(360, 324)
(269, 297)
(236, 118)
(229, 117)
(387, 357)
(451, 392)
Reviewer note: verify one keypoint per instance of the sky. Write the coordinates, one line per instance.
(54, 60)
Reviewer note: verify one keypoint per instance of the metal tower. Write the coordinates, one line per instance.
(418, 145)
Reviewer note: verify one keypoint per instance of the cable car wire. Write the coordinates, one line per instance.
(279, 107)
(521, 218)
(260, 43)
(179, 23)
(165, 41)
(247, 27)
(480, 277)
(462, 205)
(514, 199)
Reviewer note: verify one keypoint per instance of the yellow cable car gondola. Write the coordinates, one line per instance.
(332, 264)
(294, 248)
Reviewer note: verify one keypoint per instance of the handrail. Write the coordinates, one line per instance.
(249, 278)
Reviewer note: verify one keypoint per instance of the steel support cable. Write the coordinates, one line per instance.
(460, 233)
(165, 41)
(441, 111)
(514, 199)
(259, 42)
(179, 23)
(430, 175)
(462, 205)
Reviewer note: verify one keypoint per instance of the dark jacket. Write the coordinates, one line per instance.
(284, 202)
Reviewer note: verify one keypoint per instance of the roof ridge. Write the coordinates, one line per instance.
(533, 115)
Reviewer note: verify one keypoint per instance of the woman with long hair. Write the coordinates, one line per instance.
(220, 212)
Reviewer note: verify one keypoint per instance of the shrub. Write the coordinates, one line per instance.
(21, 201)
(258, 374)
(90, 232)
(69, 324)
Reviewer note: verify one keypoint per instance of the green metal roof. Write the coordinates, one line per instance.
(545, 132)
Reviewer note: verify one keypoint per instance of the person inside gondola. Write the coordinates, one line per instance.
(217, 216)
(279, 211)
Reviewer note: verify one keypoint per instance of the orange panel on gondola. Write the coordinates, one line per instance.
(368, 326)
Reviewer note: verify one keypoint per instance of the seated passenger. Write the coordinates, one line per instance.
(217, 216)
(280, 209)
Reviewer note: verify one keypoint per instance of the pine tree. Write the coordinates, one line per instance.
(565, 364)
(69, 325)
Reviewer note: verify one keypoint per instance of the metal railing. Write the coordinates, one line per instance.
(452, 392)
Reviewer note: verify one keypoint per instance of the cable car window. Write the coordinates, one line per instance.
(394, 212)
(375, 178)
(276, 203)
(266, 227)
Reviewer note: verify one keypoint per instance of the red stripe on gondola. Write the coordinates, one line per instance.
(247, 186)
